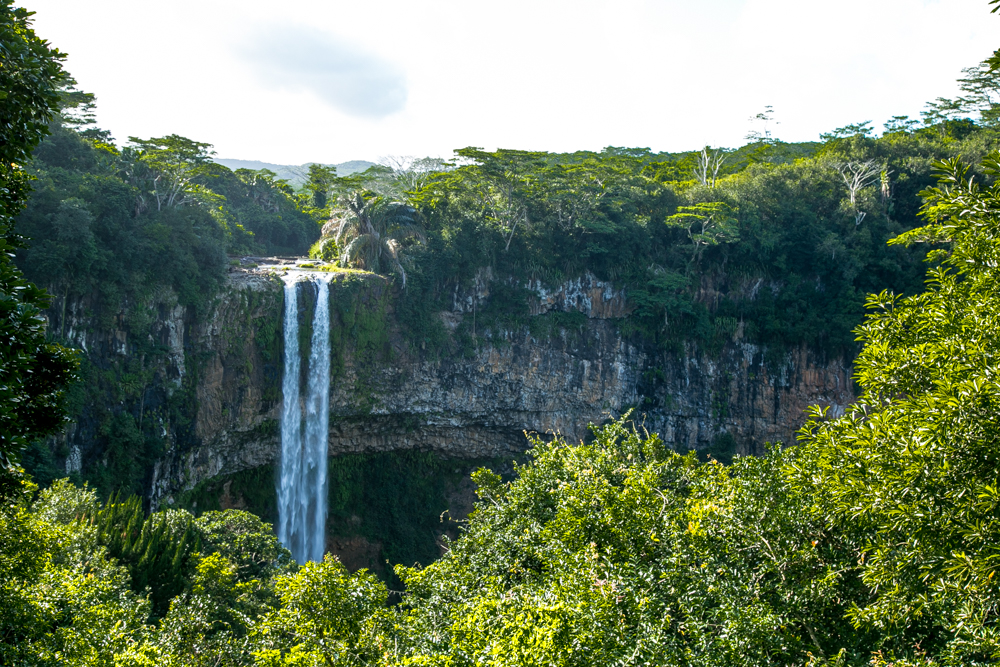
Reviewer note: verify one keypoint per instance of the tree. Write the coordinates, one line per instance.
(621, 551)
(318, 183)
(328, 617)
(764, 146)
(76, 108)
(707, 224)
(980, 97)
(507, 181)
(862, 129)
(913, 464)
(173, 162)
(407, 174)
(248, 543)
(858, 175)
(74, 607)
(709, 163)
(158, 550)
(70, 253)
(264, 189)
(33, 373)
(371, 232)
(763, 135)
(209, 623)
(900, 125)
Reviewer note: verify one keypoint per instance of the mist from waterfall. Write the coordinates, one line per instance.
(302, 483)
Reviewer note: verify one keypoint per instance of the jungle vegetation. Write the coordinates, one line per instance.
(778, 241)
(870, 541)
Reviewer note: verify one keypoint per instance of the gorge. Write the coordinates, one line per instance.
(727, 406)
(329, 343)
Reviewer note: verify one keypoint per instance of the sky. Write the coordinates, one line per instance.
(328, 81)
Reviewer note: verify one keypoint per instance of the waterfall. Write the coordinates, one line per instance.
(289, 523)
(302, 485)
(318, 423)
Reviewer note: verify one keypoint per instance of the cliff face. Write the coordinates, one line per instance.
(212, 380)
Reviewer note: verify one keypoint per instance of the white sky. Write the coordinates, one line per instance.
(334, 80)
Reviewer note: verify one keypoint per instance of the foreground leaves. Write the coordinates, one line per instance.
(913, 465)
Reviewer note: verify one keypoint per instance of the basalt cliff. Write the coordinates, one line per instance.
(206, 385)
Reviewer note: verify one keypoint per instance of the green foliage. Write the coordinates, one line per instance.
(130, 453)
(320, 180)
(88, 239)
(621, 550)
(371, 232)
(65, 602)
(327, 617)
(209, 623)
(770, 242)
(22, 559)
(163, 170)
(913, 464)
(325, 249)
(396, 499)
(707, 224)
(980, 99)
(261, 212)
(245, 541)
(158, 551)
(33, 373)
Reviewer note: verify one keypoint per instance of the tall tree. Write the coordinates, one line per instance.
(707, 224)
(858, 175)
(980, 97)
(508, 180)
(320, 180)
(33, 373)
(173, 162)
(914, 463)
(709, 163)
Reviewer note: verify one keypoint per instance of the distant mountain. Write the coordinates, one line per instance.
(294, 174)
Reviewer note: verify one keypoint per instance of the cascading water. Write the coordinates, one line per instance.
(318, 422)
(302, 482)
(289, 523)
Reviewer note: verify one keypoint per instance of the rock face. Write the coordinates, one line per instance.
(224, 369)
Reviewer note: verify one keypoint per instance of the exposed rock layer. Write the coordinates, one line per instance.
(476, 404)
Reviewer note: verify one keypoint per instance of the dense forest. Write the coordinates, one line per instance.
(872, 540)
(781, 240)
(774, 244)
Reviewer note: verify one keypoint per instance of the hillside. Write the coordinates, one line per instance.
(722, 407)
(544, 292)
(296, 175)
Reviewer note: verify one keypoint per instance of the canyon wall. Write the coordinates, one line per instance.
(211, 380)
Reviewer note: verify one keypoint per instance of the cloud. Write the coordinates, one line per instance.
(339, 73)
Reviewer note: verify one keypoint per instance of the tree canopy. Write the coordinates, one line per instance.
(33, 372)
(871, 541)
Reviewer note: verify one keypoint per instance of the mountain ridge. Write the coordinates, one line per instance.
(296, 175)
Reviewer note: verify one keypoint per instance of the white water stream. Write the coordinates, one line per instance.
(305, 421)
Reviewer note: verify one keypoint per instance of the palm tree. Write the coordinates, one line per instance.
(371, 233)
